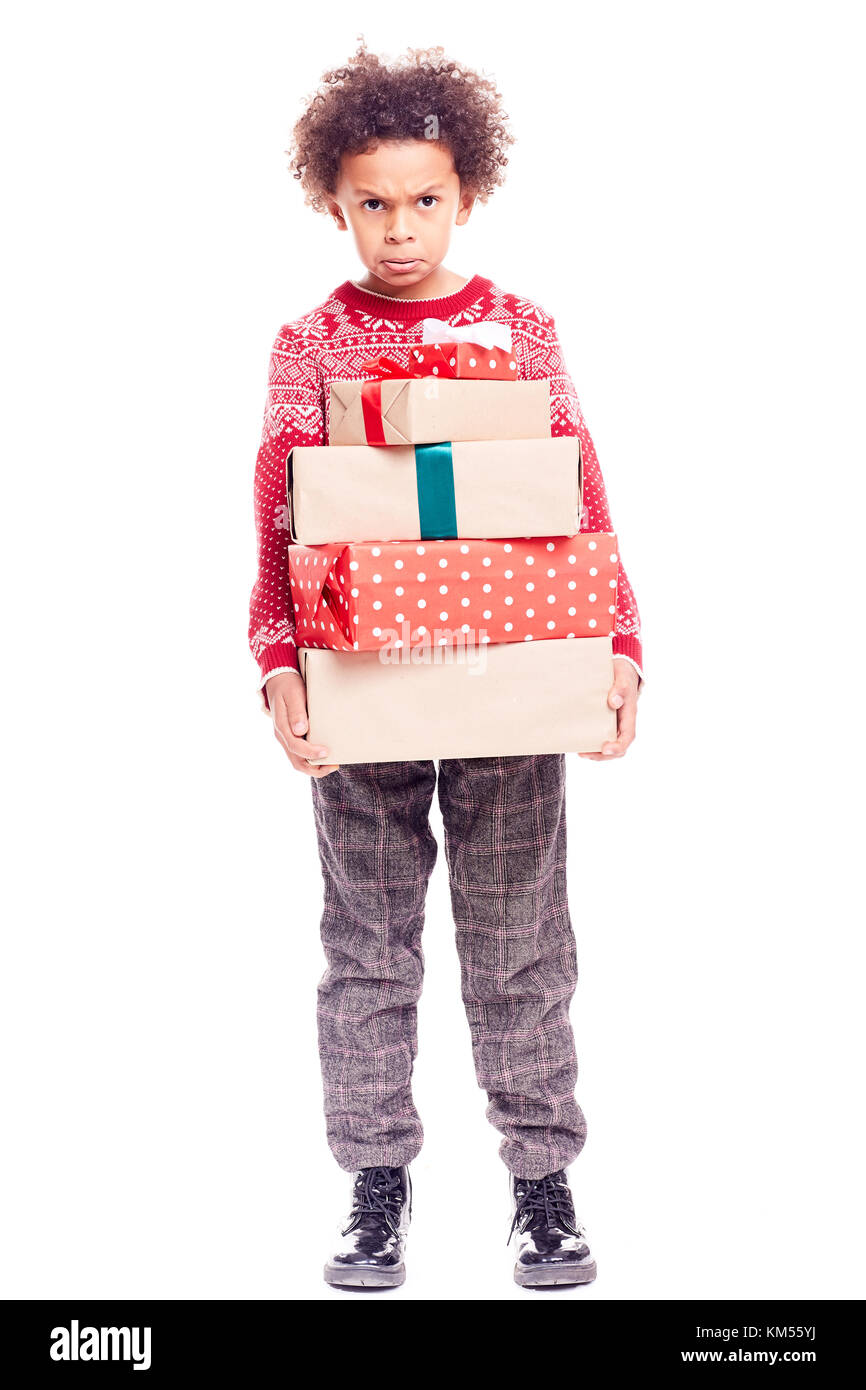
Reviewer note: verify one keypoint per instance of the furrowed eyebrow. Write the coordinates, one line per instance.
(368, 192)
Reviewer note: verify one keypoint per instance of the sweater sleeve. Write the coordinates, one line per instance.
(541, 356)
(293, 415)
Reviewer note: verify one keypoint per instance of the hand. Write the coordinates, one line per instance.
(287, 697)
(623, 697)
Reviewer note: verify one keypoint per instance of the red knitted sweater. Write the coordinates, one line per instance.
(330, 343)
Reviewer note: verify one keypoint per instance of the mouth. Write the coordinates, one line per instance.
(403, 265)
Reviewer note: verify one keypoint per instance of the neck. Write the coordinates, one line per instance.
(405, 310)
(438, 283)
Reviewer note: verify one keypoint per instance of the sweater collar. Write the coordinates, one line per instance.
(412, 310)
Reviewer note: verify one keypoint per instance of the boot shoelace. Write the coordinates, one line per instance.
(379, 1193)
(548, 1201)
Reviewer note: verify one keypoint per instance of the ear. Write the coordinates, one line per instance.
(464, 207)
(335, 211)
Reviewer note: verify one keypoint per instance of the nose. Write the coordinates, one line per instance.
(398, 227)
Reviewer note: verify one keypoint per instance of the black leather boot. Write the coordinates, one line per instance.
(551, 1243)
(374, 1241)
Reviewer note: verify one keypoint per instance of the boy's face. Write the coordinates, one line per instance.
(401, 200)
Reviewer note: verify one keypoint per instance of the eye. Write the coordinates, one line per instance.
(428, 198)
(371, 200)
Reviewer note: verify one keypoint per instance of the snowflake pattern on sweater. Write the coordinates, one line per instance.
(329, 344)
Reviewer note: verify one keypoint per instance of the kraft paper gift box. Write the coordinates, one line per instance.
(359, 596)
(504, 699)
(402, 410)
(492, 488)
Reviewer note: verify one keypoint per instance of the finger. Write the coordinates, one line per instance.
(620, 692)
(322, 771)
(295, 706)
(627, 719)
(291, 725)
(622, 697)
(303, 765)
(294, 746)
(625, 731)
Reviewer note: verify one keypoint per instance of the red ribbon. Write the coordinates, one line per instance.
(371, 404)
(371, 392)
(387, 368)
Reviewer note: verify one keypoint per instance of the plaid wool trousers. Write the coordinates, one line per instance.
(505, 845)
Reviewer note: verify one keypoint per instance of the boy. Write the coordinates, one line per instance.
(398, 154)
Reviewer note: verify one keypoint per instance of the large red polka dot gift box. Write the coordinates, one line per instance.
(360, 596)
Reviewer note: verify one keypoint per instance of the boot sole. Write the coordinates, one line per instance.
(364, 1277)
(544, 1276)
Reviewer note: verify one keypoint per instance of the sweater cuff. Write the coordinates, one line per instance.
(629, 647)
(274, 660)
(626, 644)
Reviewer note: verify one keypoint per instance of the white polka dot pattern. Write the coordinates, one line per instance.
(464, 361)
(347, 595)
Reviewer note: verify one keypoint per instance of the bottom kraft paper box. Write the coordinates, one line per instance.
(503, 699)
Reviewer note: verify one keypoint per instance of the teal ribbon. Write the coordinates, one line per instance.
(437, 507)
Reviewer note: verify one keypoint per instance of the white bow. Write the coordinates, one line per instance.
(486, 333)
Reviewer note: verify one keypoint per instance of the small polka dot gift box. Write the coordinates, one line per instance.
(364, 596)
(465, 361)
(458, 359)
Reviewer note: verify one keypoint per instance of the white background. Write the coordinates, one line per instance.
(685, 198)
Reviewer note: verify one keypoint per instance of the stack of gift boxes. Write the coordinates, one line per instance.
(468, 617)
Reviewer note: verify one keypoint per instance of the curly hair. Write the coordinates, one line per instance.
(366, 101)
